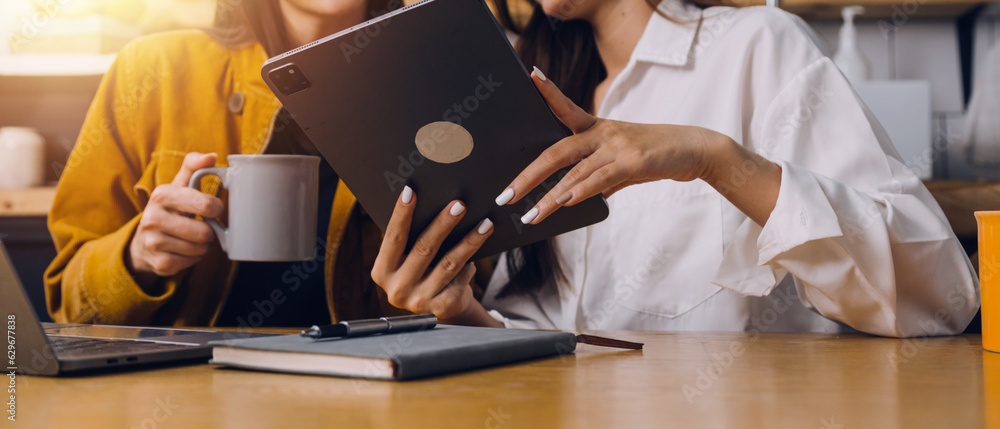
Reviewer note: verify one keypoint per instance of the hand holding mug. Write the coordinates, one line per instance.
(168, 239)
(272, 214)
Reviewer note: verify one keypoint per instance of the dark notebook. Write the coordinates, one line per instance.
(442, 350)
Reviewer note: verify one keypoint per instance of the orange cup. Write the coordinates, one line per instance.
(989, 277)
(991, 389)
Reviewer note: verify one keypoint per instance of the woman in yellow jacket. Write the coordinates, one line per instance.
(129, 250)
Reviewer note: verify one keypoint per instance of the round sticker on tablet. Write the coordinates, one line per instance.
(444, 142)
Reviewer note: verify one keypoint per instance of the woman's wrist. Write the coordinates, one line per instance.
(141, 273)
(720, 155)
(748, 180)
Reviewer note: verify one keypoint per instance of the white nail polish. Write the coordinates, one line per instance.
(457, 209)
(407, 194)
(505, 197)
(529, 216)
(485, 226)
(538, 72)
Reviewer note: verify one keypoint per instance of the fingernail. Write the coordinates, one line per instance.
(538, 72)
(407, 194)
(564, 198)
(529, 216)
(505, 197)
(485, 226)
(457, 209)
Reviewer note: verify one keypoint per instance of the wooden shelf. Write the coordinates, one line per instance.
(960, 200)
(26, 202)
(891, 12)
(55, 64)
(894, 12)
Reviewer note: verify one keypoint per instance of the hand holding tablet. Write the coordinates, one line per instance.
(452, 118)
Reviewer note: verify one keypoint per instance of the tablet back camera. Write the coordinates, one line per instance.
(289, 79)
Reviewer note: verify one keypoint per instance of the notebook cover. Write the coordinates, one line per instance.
(442, 350)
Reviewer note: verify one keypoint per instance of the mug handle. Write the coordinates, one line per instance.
(221, 172)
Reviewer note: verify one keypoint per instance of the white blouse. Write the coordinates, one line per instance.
(855, 239)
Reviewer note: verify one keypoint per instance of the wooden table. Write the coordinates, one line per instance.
(683, 380)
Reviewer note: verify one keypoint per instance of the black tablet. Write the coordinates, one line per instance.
(432, 96)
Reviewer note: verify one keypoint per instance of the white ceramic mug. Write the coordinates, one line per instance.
(22, 158)
(272, 206)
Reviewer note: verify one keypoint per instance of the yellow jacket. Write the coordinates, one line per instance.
(165, 96)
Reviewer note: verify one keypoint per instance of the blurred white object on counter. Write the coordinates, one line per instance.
(981, 139)
(903, 107)
(848, 58)
(22, 158)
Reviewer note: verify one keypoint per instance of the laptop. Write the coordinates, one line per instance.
(57, 348)
(430, 96)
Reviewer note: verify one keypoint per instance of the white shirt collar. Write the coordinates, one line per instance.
(670, 41)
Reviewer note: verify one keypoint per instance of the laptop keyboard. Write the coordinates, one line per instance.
(67, 346)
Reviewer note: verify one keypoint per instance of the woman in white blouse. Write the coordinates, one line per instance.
(753, 190)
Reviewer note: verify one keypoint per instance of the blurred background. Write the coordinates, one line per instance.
(53, 54)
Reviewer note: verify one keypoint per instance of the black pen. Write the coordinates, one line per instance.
(382, 325)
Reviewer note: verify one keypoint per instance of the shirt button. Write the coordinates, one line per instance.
(236, 102)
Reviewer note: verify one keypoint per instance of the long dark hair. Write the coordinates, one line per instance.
(239, 23)
(567, 53)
